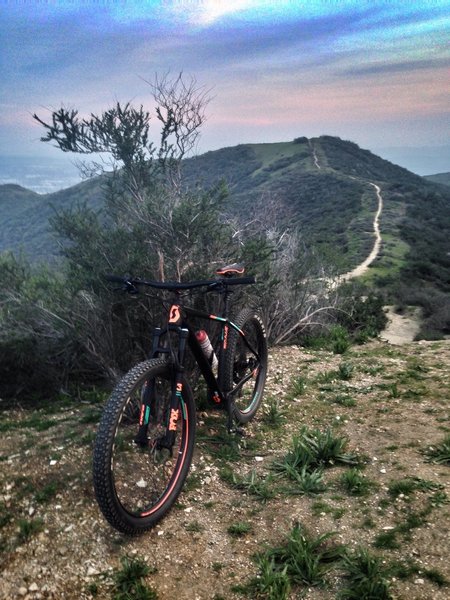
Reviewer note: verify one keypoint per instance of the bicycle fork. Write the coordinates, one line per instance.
(149, 403)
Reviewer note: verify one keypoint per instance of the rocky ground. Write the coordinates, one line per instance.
(391, 402)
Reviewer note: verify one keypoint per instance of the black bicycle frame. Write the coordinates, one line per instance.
(179, 324)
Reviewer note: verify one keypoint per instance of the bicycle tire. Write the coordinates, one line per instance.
(240, 362)
(135, 486)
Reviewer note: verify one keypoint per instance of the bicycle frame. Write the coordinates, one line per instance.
(178, 323)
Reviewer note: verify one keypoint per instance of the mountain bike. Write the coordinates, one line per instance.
(145, 438)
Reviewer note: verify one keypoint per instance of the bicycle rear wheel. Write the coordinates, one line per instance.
(137, 483)
(245, 364)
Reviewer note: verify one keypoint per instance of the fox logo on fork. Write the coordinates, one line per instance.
(173, 419)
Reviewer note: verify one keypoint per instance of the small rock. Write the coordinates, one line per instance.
(419, 581)
(22, 591)
(33, 587)
(259, 458)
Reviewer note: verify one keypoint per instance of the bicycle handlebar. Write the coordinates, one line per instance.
(131, 283)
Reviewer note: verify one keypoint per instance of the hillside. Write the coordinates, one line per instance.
(26, 215)
(388, 402)
(324, 187)
(442, 178)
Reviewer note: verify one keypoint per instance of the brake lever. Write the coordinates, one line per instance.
(215, 287)
(130, 288)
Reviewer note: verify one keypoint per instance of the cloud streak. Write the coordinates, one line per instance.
(282, 67)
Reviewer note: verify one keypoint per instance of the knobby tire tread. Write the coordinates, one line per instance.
(102, 476)
(245, 316)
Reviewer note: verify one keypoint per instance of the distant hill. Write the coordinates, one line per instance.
(319, 186)
(442, 178)
(423, 160)
(25, 217)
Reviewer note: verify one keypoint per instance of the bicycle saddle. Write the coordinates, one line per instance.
(230, 270)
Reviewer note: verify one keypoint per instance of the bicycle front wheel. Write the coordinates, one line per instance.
(245, 367)
(136, 481)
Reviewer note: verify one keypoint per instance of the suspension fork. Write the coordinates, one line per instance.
(148, 397)
(176, 396)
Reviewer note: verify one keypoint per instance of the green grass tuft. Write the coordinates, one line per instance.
(239, 529)
(355, 483)
(314, 449)
(309, 482)
(270, 584)
(297, 387)
(28, 528)
(306, 559)
(345, 371)
(253, 484)
(366, 577)
(273, 415)
(439, 453)
(128, 581)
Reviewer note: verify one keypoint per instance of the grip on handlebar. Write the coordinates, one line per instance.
(115, 279)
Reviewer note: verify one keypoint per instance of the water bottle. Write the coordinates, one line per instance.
(207, 348)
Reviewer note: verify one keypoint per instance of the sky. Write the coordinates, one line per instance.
(374, 72)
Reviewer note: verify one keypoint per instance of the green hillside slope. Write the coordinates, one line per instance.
(25, 222)
(442, 178)
(320, 187)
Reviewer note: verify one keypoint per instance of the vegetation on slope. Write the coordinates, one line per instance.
(332, 207)
(295, 212)
(65, 326)
(442, 178)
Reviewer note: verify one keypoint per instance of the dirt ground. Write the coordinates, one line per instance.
(392, 405)
(401, 328)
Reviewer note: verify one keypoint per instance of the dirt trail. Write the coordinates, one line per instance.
(362, 267)
(401, 329)
(316, 160)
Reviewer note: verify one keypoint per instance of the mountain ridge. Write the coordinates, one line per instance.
(321, 187)
(441, 178)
